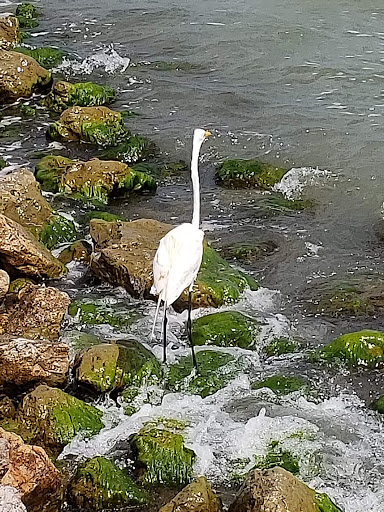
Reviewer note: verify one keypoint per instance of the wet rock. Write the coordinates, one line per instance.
(7, 408)
(10, 500)
(281, 346)
(34, 312)
(24, 361)
(47, 57)
(132, 150)
(20, 252)
(240, 173)
(54, 418)
(26, 14)
(277, 490)
(93, 180)
(282, 385)
(163, 455)
(378, 405)
(225, 329)
(115, 366)
(21, 200)
(4, 284)
(249, 252)
(99, 312)
(9, 32)
(276, 456)
(363, 348)
(215, 371)
(83, 94)
(31, 473)
(124, 256)
(78, 251)
(21, 76)
(107, 216)
(99, 484)
(196, 497)
(19, 283)
(98, 125)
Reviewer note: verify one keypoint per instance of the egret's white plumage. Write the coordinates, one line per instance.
(178, 257)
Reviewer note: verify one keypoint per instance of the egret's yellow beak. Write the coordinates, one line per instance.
(207, 133)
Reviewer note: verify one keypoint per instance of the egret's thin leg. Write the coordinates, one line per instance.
(155, 319)
(189, 328)
(165, 321)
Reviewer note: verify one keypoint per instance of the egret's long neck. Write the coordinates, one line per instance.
(195, 184)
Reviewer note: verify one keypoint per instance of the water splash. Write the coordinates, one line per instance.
(106, 59)
(296, 179)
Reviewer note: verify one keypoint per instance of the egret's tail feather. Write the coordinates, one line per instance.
(155, 319)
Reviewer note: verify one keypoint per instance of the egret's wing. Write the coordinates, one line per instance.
(161, 265)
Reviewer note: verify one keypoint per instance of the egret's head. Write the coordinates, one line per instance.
(199, 136)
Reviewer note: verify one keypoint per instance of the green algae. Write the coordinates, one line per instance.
(281, 346)
(49, 170)
(99, 484)
(239, 173)
(103, 133)
(249, 252)
(107, 216)
(3, 163)
(27, 13)
(278, 457)
(27, 111)
(215, 370)
(323, 503)
(378, 405)
(96, 313)
(18, 284)
(282, 385)
(225, 329)
(132, 150)
(363, 348)
(57, 230)
(47, 57)
(164, 456)
(82, 94)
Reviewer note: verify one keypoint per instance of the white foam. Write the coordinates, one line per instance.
(296, 179)
(107, 59)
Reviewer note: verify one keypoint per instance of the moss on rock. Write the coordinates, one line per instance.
(83, 94)
(27, 13)
(215, 371)
(107, 216)
(49, 171)
(98, 312)
(99, 484)
(132, 150)
(363, 348)
(281, 346)
(378, 405)
(278, 457)
(282, 385)
(163, 455)
(225, 329)
(47, 57)
(249, 252)
(323, 503)
(239, 173)
(57, 230)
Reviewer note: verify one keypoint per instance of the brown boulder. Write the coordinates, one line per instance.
(196, 497)
(20, 76)
(9, 32)
(19, 250)
(30, 472)
(24, 361)
(34, 312)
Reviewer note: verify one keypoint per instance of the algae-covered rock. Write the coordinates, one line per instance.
(99, 312)
(225, 329)
(282, 385)
(46, 56)
(363, 348)
(215, 371)
(249, 252)
(125, 252)
(26, 13)
(99, 484)
(163, 455)
(281, 346)
(378, 405)
(196, 497)
(277, 490)
(9, 32)
(114, 366)
(98, 125)
(78, 251)
(58, 229)
(3, 163)
(278, 457)
(132, 150)
(55, 417)
(83, 94)
(239, 173)
(95, 180)
(21, 76)
(107, 216)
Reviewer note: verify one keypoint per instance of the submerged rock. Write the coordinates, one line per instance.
(34, 312)
(31, 473)
(24, 361)
(132, 150)
(26, 14)
(83, 94)
(115, 366)
(225, 329)
(124, 256)
(93, 180)
(277, 456)
(215, 371)
(281, 346)
(54, 418)
(9, 32)
(47, 57)
(249, 252)
(98, 125)
(163, 455)
(378, 405)
(20, 252)
(363, 348)
(196, 497)
(238, 173)
(282, 385)
(21, 200)
(277, 490)
(99, 484)
(98, 312)
(21, 76)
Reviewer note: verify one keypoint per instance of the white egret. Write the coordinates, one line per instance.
(178, 257)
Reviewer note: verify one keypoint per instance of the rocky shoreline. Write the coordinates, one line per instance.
(46, 389)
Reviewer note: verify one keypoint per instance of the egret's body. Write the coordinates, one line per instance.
(178, 257)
